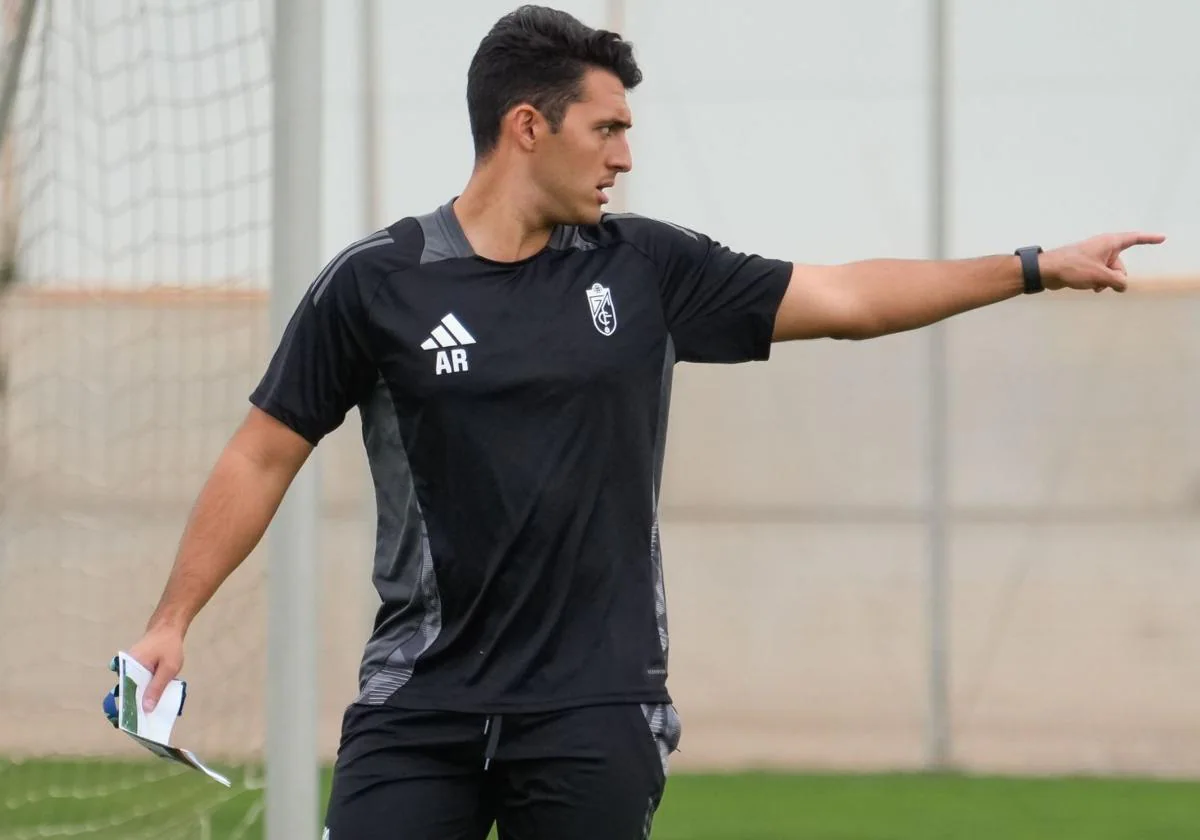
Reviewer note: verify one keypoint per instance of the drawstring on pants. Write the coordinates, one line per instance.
(493, 733)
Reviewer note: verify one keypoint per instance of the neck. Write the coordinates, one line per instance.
(498, 214)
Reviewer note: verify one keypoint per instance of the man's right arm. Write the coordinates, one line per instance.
(322, 367)
(228, 520)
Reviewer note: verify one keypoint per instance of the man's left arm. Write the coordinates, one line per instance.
(878, 297)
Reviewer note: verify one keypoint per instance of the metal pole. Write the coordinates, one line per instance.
(292, 780)
(372, 211)
(369, 45)
(938, 745)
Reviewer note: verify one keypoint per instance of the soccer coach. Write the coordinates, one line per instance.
(510, 354)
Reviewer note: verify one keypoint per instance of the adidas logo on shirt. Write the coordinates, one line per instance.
(449, 339)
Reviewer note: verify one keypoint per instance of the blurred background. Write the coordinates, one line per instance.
(971, 548)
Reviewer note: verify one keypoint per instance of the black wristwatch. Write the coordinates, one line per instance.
(1030, 269)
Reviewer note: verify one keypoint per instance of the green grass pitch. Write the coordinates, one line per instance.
(109, 800)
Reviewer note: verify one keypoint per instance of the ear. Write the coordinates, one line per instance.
(527, 125)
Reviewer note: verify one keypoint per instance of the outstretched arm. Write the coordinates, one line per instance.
(872, 298)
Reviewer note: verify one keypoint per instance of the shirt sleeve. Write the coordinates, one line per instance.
(323, 365)
(720, 304)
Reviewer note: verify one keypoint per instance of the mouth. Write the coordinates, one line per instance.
(601, 194)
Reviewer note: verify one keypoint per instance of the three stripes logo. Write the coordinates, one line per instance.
(449, 339)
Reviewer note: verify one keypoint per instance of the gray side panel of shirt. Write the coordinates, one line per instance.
(404, 572)
(660, 449)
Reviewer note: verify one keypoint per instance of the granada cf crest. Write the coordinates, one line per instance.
(604, 314)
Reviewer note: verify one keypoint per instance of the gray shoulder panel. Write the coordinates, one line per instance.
(568, 237)
(444, 237)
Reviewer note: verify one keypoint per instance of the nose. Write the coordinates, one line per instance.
(621, 159)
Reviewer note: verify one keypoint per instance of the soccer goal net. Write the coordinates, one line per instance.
(134, 215)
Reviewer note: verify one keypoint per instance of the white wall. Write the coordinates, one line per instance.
(799, 128)
(794, 128)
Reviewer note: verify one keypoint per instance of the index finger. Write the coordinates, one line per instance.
(1127, 240)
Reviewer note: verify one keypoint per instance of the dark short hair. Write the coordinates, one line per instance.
(538, 56)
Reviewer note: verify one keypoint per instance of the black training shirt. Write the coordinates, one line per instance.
(514, 416)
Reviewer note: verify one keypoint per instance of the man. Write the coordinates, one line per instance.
(510, 354)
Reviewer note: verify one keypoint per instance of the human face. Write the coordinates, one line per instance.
(576, 165)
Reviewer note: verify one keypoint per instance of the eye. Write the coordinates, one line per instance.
(606, 130)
